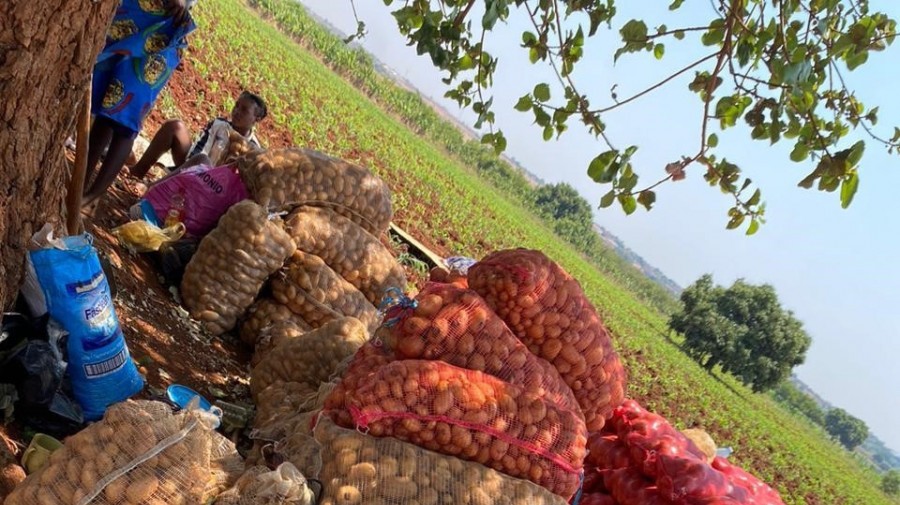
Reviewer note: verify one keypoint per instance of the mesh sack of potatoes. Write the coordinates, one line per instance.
(140, 453)
(299, 447)
(355, 254)
(260, 486)
(313, 291)
(277, 404)
(360, 469)
(310, 359)
(231, 265)
(282, 178)
(548, 311)
(266, 312)
(360, 369)
(475, 417)
(274, 335)
(455, 325)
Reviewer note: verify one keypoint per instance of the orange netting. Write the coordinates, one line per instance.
(473, 416)
(548, 311)
(455, 325)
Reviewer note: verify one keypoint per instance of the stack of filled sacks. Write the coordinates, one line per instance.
(322, 262)
(639, 458)
(447, 383)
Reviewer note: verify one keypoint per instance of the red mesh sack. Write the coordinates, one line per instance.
(690, 481)
(455, 325)
(648, 436)
(597, 499)
(758, 492)
(361, 369)
(548, 311)
(475, 417)
(607, 452)
(629, 487)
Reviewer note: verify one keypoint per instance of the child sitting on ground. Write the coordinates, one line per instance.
(249, 109)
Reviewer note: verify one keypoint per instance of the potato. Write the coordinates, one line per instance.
(549, 312)
(231, 265)
(313, 291)
(484, 419)
(281, 178)
(274, 335)
(352, 252)
(432, 478)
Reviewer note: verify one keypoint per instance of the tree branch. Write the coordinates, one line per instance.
(655, 86)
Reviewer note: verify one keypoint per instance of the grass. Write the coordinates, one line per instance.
(438, 196)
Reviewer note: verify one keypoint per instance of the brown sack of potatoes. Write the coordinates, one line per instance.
(310, 359)
(282, 178)
(232, 264)
(276, 406)
(180, 460)
(265, 313)
(317, 294)
(275, 335)
(359, 469)
(355, 254)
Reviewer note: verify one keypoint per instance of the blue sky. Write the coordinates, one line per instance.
(836, 269)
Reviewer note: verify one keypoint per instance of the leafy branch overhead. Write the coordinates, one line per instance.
(774, 67)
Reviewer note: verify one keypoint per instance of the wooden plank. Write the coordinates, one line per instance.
(431, 257)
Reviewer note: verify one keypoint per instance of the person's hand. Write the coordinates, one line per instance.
(177, 10)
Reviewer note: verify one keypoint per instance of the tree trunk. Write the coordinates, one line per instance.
(47, 51)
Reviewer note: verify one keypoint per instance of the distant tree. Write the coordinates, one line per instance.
(795, 399)
(562, 201)
(849, 430)
(743, 328)
(890, 483)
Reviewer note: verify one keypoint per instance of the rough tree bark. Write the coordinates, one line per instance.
(47, 50)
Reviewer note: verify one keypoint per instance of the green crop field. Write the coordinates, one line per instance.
(327, 97)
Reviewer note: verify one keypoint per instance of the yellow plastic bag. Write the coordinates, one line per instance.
(142, 236)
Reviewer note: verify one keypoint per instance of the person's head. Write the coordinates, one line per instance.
(248, 110)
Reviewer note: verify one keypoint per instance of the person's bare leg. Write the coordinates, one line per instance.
(118, 152)
(100, 137)
(172, 135)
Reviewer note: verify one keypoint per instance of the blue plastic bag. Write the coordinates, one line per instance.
(78, 298)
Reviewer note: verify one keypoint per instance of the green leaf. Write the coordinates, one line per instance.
(713, 140)
(658, 51)
(608, 199)
(629, 204)
(736, 220)
(647, 198)
(533, 55)
(466, 62)
(678, 34)
(754, 200)
(857, 60)
(848, 189)
(800, 152)
(753, 228)
(524, 104)
(675, 5)
(542, 92)
(548, 133)
(856, 153)
(598, 166)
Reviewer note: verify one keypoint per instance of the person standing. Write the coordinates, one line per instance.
(144, 46)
